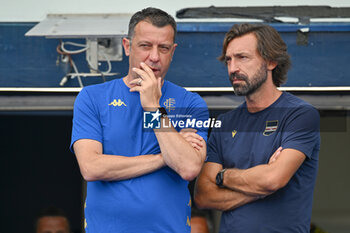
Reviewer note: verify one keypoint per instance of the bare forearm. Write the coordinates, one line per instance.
(114, 167)
(265, 179)
(253, 181)
(209, 196)
(179, 154)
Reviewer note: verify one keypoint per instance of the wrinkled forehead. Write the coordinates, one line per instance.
(145, 30)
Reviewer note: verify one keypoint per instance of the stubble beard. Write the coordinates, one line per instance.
(248, 87)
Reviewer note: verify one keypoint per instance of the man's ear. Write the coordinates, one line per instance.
(172, 52)
(126, 45)
(174, 47)
(271, 65)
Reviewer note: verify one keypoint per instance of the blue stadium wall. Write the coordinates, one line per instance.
(320, 57)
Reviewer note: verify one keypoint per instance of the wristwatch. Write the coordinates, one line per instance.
(220, 178)
(162, 111)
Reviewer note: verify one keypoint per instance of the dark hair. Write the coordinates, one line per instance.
(50, 211)
(270, 46)
(154, 16)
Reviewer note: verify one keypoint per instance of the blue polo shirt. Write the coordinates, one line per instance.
(155, 202)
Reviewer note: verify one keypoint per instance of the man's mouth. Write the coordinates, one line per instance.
(236, 78)
(155, 69)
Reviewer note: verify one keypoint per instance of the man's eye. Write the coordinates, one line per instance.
(227, 60)
(145, 45)
(164, 49)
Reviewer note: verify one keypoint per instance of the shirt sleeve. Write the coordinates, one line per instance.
(214, 147)
(303, 131)
(199, 111)
(86, 123)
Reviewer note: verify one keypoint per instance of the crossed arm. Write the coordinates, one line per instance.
(94, 165)
(184, 152)
(246, 185)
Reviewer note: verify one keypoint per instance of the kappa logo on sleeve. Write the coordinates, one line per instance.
(188, 222)
(271, 127)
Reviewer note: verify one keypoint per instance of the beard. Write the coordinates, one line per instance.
(249, 86)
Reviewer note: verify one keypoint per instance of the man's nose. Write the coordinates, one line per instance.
(154, 54)
(232, 66)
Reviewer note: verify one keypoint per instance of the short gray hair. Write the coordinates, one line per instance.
(154, 16)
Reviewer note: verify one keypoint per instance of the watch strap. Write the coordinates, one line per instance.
(220, 178)
(163, 111)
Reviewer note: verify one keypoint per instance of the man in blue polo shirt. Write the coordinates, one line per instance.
(262, 163)
(136, 162)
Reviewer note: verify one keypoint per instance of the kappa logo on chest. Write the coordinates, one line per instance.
(118, 103)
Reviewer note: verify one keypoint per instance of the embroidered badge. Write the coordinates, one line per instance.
(271, 127)
(118, 103)
(170, 104)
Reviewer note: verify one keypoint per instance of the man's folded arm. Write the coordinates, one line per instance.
(180, 154)
(208, 195)
(94, 165)
(266, 178)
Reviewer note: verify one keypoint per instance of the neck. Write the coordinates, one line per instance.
(127, 79)
(262, 98)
